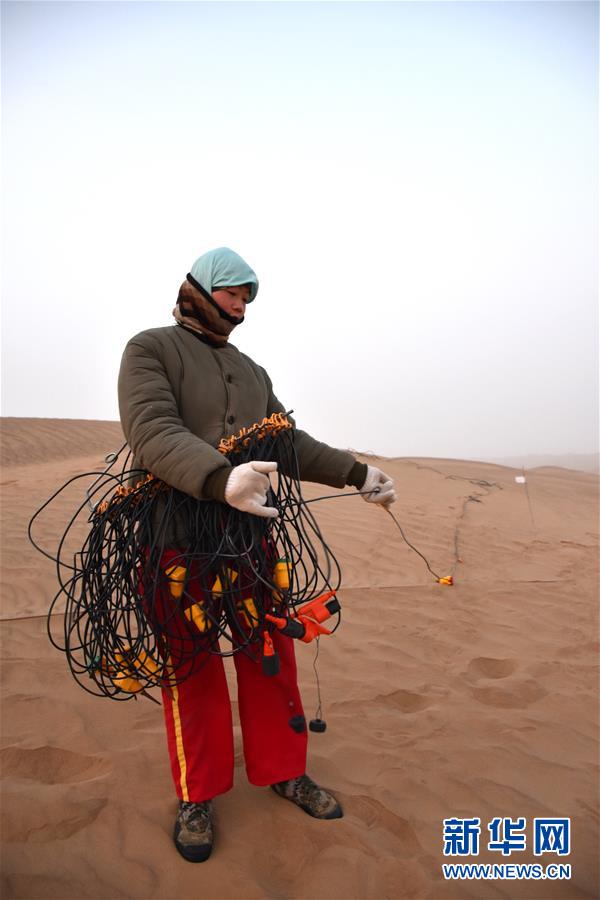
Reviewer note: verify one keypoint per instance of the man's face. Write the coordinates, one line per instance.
(232, 300)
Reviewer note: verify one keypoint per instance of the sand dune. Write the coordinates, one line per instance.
(473, 700)
(27, 441)
(584, 462)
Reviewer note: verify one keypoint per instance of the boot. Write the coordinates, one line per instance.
(193, 834)
(314, 800)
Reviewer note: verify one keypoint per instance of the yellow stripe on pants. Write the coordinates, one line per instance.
(179, 738)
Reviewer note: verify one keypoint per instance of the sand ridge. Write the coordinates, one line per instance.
(473, 700)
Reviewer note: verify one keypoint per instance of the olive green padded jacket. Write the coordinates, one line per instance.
(179, 395)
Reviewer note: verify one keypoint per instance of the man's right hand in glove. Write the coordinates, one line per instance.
(247, 486)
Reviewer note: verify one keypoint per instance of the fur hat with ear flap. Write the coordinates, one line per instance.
(197, 309)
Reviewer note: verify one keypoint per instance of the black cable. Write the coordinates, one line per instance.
(140, 613)
(162, 579)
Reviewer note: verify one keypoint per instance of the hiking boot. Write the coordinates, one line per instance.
(193, 832)
(314, 800)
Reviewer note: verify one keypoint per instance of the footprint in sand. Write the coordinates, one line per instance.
(516, 695)
(375, 815)
(32, 821)
(51, 765)
(406, 701)
(489, 667)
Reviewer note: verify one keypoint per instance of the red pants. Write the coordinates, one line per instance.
(199, 724)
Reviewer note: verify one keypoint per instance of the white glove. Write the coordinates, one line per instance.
(246, 488)
(378, 481)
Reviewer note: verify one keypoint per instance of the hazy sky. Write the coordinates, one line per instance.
(415, 184)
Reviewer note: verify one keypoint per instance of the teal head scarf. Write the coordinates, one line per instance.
(224, 268)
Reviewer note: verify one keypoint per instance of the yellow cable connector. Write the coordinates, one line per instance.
(281, 577)
(176, 576)
(145, 664)
(217, 587)
(196, 614)
(281, 574)
(123, 680)
(248, 611)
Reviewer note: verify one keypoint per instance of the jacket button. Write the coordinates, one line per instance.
(231, 419)
(228, 378)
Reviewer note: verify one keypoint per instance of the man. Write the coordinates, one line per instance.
(181, 389)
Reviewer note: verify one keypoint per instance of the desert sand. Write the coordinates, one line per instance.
(475, 700)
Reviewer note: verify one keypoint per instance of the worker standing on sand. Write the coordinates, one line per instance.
(181, 389)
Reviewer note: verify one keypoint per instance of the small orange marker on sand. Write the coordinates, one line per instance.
(447, 579)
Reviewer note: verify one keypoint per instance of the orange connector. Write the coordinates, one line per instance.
(321, 608)
(301, 627)
(270, 657)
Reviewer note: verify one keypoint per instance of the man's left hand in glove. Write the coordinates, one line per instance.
(380, 487)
